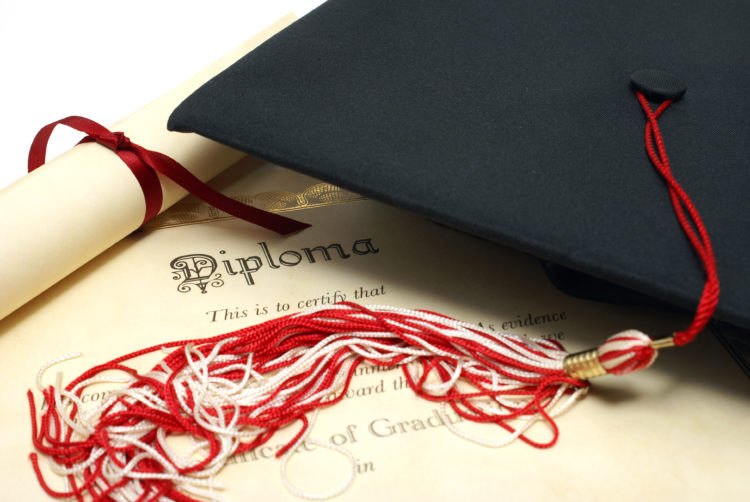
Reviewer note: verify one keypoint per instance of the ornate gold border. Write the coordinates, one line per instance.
(188, 212)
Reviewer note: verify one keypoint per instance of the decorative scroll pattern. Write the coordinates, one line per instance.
(189, 212)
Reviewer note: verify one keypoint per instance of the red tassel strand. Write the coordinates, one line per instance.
(231, 393)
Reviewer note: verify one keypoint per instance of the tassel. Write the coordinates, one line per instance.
(231, 393)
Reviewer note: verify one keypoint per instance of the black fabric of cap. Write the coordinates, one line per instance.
(515, 121)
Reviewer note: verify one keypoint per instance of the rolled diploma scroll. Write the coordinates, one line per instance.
(65, 213)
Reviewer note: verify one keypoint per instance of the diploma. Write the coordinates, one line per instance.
(195, 273)
(74, 207)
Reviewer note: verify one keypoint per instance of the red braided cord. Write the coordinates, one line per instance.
(681, 203)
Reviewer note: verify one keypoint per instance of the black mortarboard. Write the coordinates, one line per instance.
(516, 121)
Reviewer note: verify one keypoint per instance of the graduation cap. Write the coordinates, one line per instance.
(517, 121)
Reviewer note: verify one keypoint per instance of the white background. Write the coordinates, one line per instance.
(104, 59)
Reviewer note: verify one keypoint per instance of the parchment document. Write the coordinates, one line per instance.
(77, 205)
(677, 431)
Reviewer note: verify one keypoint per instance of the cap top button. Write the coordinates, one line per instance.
(657, 85)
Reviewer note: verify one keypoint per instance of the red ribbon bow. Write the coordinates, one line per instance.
(144, 165)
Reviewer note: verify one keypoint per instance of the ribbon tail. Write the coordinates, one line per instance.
(187, 180)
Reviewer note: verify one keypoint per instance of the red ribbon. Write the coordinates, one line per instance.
(144, 165)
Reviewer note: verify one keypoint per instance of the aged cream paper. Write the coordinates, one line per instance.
(677, 431)
(81, 203)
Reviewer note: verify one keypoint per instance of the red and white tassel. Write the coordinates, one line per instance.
(231, 393)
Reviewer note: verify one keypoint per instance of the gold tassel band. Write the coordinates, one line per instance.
(583, 365)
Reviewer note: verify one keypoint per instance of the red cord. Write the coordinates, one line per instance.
(689, 219)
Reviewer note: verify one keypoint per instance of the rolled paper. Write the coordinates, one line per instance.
(77, 205)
